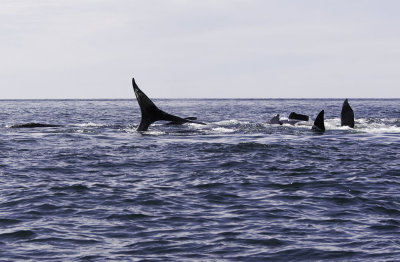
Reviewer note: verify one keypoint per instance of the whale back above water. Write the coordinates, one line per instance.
(347, 115)
(151, 113)
(33, 125)
(294, 118)
(301, 117)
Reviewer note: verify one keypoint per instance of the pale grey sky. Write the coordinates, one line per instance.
(199, 49)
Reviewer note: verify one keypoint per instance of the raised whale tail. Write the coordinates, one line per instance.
(347, 115)
(151, 113)
(319, 122)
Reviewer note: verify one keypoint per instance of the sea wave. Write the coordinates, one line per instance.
(234, 189)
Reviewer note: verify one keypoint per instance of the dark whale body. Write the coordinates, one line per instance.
(33, 125)
(294, 118)
(300, 117)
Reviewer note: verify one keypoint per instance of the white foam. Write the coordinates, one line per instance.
(363, 125)
(196, 125)
(154, 133)
(129, 130)
(380, 129)
(90, 124)
(374, 126)
(223, 130)
(231, 122)
(334, 124)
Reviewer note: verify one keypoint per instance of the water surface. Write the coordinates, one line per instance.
(237, 189)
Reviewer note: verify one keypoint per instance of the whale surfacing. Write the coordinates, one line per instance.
(275, 120)
(294, 118)
(347, 115)
(33, 125)
(151, 113)
(300, 117)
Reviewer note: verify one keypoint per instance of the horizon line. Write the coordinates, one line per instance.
(197, 98)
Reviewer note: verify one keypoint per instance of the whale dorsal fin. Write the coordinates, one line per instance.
(347, 115)
(319, 122)
(151, 113)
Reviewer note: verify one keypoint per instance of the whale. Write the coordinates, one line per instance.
(347, 115)
(150, 113)
(319, 123)
(275, 120)
(33, 125)
(294, 118)
(300, 117)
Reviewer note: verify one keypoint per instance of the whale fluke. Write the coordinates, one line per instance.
(33, 125)
(192, 118)
(296, 116)
(319, 122)
(151, 113)
(347, 115)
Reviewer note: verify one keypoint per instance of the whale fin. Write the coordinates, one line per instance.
(319, 122)
(275, 120)
(347, 115)
(191, 118)
(151, 113)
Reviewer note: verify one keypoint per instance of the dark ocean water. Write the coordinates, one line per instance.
(237, 189)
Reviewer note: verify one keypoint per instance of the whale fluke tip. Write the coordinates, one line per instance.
(347, 115)
(319, 122)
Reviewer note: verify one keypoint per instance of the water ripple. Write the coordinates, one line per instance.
(234, 190)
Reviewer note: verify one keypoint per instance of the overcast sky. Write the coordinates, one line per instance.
(200, 49)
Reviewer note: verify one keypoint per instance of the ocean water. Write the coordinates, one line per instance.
(236, 189)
